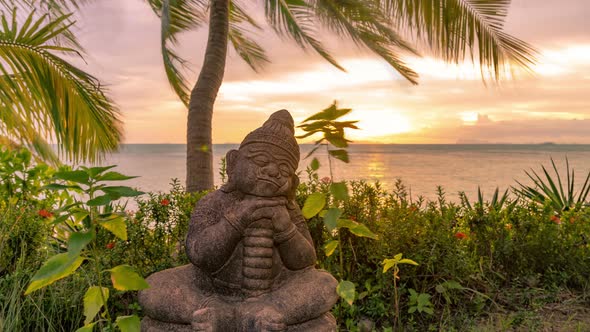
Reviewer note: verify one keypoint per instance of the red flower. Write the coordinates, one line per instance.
(45, 214)
(110, 245)
(413, 208)
(326, 180)
(165, 202)
(460, 235)
(556, 220)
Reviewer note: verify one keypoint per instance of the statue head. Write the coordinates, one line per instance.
(267, 159)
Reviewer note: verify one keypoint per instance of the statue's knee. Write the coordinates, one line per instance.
(326, 280)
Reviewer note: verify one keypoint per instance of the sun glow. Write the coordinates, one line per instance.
(378, 124)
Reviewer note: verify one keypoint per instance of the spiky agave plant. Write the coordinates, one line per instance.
(551, 189)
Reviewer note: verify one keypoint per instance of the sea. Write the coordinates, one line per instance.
(421, 168)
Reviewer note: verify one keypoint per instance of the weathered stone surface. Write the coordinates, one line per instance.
(325, 323)
(251, 252)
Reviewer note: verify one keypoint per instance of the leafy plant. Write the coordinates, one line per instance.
(332, 131)
(335, 142)
(393, 265)
(420, 302)
(42, 95)
(80, 223)
(552, 190)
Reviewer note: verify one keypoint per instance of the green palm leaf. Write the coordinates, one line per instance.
(45, 96)
(177, 16)
(295, 19)
(249, 50)
(366, 24)
(451, 28)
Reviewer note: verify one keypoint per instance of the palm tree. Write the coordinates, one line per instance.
(44, 96)
(452, 29)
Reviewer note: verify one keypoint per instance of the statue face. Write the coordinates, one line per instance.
(263, 170)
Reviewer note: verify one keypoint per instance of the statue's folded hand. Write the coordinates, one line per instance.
(281, 220)
(241, 215)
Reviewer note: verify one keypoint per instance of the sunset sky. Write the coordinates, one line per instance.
(450, 105)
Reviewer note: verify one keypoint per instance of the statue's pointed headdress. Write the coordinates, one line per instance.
(279, 131)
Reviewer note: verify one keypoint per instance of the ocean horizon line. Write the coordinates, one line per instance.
(377, 143)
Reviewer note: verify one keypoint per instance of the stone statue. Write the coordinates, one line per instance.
(251, 252)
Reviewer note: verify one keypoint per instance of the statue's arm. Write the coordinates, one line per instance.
(295, 244)
(211, 240)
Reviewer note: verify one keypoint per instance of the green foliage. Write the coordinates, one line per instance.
(332, 132)
(156, 232)
(42, 95)
(493, 254)
(552, 190)
(81, 223)
(420, 302)
(25, 210)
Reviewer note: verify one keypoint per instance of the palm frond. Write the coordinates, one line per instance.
(295, 19)
(59, 100)
(365, 23)
(53, 8)
(177, 16)
(451, 28)
(248, 49)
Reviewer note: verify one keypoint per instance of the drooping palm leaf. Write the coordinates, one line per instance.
(177, 16)
(295, 19)
(452, 28)
(248, 49)
(366, 24)
(54, 98)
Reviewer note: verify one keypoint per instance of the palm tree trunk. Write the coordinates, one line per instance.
(199, 152)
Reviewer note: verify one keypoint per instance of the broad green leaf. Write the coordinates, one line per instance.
(94, 171)
(121, 191)
(79, 215)
(330, 247)
(117, 226)
(114, 176)
(75, 176)
(313, 205)
(125, 278)
(313, 126)
(315, 164)
(340, 154)
(57, 186)
(129, 323)
(339, 191)
(78, 241)
(331, 218)
(337, 141)
(100, 200)
(407, 261)
(346, 223)
(94, 301)
(364, 231)
(57, 267)
(87, 328)
(388, 263)
(346, 290)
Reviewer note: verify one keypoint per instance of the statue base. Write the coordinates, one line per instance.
(325, 323)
